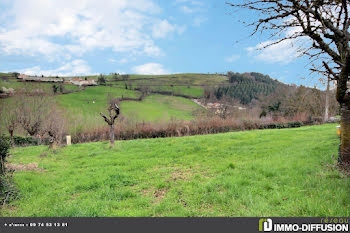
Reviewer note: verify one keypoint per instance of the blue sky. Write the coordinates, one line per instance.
(79, 37)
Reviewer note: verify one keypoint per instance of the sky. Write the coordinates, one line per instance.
(82, 37)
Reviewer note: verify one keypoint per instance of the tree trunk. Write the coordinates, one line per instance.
(326, 114)
(2, 166)
(52, 143)
(344, 99)
(345, 135)
(111, 134)
(11, 136)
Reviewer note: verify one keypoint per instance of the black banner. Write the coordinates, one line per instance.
(264, 224)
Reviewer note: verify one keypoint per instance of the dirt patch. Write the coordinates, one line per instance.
(24, 167)
(180, 175)
(159, 194)
(75, 196)
(43, 155)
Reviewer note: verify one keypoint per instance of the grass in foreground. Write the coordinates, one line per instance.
(286, 172)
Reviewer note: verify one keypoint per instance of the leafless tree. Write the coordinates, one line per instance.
(9, 116)
(326, 109)
(113, 113)
(323, 26)
(32, 111)
(54, 126)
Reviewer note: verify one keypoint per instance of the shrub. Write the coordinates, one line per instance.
(25, 141)
(101, 80)
(4, 150)
(211, 125)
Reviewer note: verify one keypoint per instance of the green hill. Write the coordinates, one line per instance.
(248, 86)
(286, 172)
(168, 96)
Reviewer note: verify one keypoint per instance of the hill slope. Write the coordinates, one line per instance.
(256, 173)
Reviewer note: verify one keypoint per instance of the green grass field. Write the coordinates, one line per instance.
(160, 108)
(83, 107)
(180, 84)
(86, 105)
(288, 172)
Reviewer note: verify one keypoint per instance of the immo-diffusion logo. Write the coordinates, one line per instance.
(336, 225)
(265, 224)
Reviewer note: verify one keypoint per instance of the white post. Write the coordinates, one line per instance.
(69, 140)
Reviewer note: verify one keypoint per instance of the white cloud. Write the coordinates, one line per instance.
(187, 9)
(163, 28)
(232, 58)
(67, 28)
(123, 61)
(199, 20)
(74, 68)
(150, 68)
(190, 6)
(283, 52)
(112, 60)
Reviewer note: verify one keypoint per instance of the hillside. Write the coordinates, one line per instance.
(248, 86)
(167, 97)
(286, 172)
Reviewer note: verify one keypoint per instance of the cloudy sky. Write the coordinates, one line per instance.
(78, 37)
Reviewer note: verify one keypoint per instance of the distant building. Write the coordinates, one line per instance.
(27, 78)
(83, 82)
(75, 81)
(22, 76)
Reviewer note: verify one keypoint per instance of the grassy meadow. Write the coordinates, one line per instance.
(158, 108)
(82, 108)
(85, 106)
(180, 84)
(288, 172)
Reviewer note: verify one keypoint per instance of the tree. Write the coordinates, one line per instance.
(9, 117)
(16, 74)
(54, 88)
(326, 109)
(323, 27)
(32, 112)
(4, 152)
(113, 113)
(101, 80)
(54, 126)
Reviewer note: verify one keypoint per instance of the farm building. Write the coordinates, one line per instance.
(83, 82)
(27, 78)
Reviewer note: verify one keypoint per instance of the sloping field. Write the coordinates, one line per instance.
(287, 172)
(158, 108)
(86, 106)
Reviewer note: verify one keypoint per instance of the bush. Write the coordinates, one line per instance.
(4, 150)
(295, 124)
(25, 141)
(101, 80)
(126, 131)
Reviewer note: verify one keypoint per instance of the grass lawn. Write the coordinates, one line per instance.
(180, 84)
(45, 87)
(157, 108)
(84, 107)
(288, 172)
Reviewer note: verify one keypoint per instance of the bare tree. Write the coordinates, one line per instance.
(32, 111)
(54, 127)
(323, 26)
(9, 116)
(326, 109)
(113, 113)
